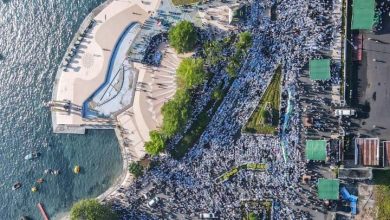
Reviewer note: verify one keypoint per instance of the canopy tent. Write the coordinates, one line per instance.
(328, 189)
(363, 14)
(319, 69)
(316, 150)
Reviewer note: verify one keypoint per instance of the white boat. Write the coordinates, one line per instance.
(32, 156)
(55, 172)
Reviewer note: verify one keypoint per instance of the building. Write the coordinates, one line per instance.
(363, 173)
(363, 14)
(319, 69)
(344, 112)
(316, 150)
(367, 151)
(386, 153)
(328, 189)
(237, 12)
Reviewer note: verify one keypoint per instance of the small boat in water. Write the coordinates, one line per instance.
(55, 172)
(34, 189)
(16, 186)
(76, 169)
(32, 156)
(40, 180)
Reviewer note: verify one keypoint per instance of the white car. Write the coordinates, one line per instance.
(153, 202)
(207, 215)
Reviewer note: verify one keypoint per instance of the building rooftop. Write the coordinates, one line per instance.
(367, 151)
(319, 69)
(328, 189)
(315, 150)
(363, 14)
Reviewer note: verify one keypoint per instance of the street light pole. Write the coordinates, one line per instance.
(354, 47)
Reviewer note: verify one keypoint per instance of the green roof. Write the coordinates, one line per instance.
(315, 149)
(363, 14)
(319, 69)
(328, 189)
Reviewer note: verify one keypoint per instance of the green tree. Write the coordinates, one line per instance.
(91, 209)
(244, 41)
(265, 116)
(252, 216)
(156, 144)
(213, 52)
(217, 94)
(183, 36)
(175, 112)
(190, 73)
(136, 169)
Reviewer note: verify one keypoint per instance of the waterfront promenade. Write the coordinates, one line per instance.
(85, 68)
(88, 70)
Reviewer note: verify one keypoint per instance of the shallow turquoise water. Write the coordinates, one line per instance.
(34, 35)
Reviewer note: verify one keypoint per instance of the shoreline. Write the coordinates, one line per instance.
(83, 25)
(125, 178)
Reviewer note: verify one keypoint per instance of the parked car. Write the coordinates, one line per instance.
(153, 202)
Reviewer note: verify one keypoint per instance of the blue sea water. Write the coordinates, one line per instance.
(34, 35)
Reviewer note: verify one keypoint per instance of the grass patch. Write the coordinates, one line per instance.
(249, 166)
(265, 119)
(197, 128)
(184, 2)
(213, 57)
(382, 193)
(192, 136)
(256, 209)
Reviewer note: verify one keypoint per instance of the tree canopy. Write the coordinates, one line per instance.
(244, 41)
(156, 144)
(91, 209)
(183, 36)
(191, 73)
(136, 169)
(253, 216)
(217, 94)
(175, 112)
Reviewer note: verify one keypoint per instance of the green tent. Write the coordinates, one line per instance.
(363, 14)
(315, 150)
(328, 189)
(319, 69)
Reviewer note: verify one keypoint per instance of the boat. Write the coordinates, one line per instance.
(40, 180)
(76, 169)
(34, 189)
(47, 171)
(16, 186)
(55, 172)
(32, 156)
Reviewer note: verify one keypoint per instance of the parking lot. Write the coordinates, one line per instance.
(373, 84)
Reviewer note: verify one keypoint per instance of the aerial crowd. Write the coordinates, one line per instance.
(303, 30)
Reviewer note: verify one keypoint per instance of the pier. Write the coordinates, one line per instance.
(43, 212)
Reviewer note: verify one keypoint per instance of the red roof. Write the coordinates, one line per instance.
(368, 151)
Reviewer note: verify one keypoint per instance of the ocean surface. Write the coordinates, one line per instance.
(34, 35)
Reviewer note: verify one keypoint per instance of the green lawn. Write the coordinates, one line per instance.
(265, 119)
(382, 193)
(184, 2)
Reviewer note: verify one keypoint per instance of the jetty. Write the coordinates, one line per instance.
(42, 210)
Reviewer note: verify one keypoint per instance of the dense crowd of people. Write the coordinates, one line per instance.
(187, 187)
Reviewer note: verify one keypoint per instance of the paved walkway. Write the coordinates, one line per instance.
(88, 66)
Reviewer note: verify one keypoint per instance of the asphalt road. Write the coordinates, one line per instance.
(374, 82)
